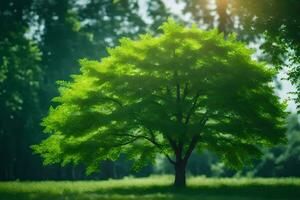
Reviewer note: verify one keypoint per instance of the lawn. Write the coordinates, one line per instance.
(157, 187)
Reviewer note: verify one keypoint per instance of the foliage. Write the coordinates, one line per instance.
(40, 42)
(272, 24)
(279, 22)
(170, 94)
(284, 160)
(20, 77)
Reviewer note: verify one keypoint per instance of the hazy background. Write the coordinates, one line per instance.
(41, 42)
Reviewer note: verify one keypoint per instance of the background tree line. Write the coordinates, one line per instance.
(42, 40)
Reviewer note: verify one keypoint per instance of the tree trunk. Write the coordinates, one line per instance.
(180, 179)
(222, 6)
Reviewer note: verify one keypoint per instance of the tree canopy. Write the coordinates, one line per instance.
(183, 90)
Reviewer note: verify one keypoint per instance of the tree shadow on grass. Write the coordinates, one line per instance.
(223, 192)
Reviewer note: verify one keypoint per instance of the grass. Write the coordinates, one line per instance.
(154, 188)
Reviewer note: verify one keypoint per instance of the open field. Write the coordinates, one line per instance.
(158, 188)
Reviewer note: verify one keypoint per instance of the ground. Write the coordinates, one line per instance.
(154, 188)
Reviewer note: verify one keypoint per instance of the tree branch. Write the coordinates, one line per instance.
(170, 160)
(114, 100)
(159, 146)
(191, 148)
(172, 143)
(195, 139)
(125, 143)
(152, 140)
(185, 91)
(178, 101)
(190, 112)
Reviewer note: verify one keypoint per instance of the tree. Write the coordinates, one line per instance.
(279, 23)
(19, 85)
(283, 160)
(40, 42)
(273, 24)
(184, 90)
(72, 31)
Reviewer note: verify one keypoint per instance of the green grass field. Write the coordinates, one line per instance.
(154, 188)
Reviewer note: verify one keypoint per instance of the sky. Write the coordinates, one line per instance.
(286, 88)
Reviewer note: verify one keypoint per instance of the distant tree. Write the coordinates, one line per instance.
(283, 160)
(72, 30)
(20, 77)
(273, 24)
(41, 42)
(186, 89)
(288, 163)
(279, 23)
(210, 14)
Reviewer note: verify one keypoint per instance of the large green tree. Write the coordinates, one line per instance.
(184, 90)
